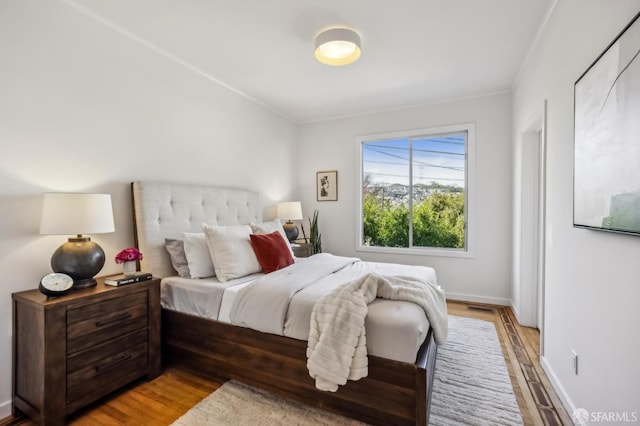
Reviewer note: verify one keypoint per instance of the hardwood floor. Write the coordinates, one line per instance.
(165, 399)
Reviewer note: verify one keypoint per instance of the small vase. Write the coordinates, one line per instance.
(129, 268)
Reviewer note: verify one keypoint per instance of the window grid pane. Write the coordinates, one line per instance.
(413, 192)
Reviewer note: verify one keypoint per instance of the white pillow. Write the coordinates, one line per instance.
(197, 254)
(269, 227)
(231, 251)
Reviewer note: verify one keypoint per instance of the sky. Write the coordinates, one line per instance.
(435, 158)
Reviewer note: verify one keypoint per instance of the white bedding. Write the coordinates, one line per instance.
(264, 304)
(202, 297)
(395, 330)
(228, 298)
(337, 344)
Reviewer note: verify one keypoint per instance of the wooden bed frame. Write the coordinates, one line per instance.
(394, 393)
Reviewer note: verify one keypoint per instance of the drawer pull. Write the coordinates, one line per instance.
(122, 358)
(117, 318)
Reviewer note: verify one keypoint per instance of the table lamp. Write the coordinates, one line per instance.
(290, 211)
(68, 213)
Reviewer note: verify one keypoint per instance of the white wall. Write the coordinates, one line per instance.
(332, 145)
(83, 108)
(592, 285)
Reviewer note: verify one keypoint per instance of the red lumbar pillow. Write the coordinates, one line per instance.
(272, 251)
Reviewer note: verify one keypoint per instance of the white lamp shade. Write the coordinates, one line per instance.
(67, 214)
(337, 46)
(290, 210)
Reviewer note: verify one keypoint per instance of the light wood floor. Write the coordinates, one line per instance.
(163, 400)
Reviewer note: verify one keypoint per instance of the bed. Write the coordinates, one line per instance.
(395, 391)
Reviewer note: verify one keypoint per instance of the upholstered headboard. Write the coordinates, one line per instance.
(162, 210)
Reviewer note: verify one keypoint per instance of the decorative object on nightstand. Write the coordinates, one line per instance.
(68, 213)
(315, 238)
(122, 279)
(56, 284)
(129, 258)
(302, 249)
(70, 351)
(290, 211)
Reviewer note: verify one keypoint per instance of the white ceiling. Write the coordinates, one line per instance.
(413, 51)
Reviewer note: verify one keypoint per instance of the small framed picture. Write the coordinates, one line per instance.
(327, 186)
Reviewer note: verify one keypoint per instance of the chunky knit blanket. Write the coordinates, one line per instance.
(337, 347)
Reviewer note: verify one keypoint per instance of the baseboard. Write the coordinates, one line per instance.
(515, 311)
(5, 409)
(557, 386)
(478, 299)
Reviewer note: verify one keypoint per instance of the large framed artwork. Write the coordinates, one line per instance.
(607, 138)
(327, 186)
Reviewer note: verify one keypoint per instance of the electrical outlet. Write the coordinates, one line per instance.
(575, 362)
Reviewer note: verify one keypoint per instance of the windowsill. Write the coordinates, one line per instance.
(418, 251)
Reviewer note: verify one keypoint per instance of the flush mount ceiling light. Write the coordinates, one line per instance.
(337, 46)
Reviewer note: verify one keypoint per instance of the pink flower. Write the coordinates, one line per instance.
(128, 254)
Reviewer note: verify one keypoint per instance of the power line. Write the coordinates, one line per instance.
(451, 140)
(368, 146)
(414, 177)
(458, 169)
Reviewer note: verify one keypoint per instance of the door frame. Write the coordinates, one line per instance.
(531, 267)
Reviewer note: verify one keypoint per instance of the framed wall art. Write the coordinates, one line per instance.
(327, 186)
(606, 180)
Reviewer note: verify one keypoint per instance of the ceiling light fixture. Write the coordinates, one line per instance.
(337, 46)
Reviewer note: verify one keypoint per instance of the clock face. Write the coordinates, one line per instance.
(57, 282)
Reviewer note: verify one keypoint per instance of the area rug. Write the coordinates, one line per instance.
(471, 383)
(471, 387)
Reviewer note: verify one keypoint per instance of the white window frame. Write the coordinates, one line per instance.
(470, 211)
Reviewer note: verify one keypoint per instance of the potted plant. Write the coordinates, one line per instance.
(315, 238)
(129, 258)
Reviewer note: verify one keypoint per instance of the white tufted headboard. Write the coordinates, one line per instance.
(162, 210)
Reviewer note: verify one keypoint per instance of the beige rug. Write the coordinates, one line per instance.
(235, 404)
(471, 387)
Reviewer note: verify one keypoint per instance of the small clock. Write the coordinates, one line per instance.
(55, 284)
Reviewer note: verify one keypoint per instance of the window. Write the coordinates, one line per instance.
(414, 191)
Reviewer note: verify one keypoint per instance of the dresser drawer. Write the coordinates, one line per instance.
(105, 368)
(96, 355)
(91, 325)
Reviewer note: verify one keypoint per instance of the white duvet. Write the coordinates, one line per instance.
(337, 344)
(263, 304)
(282, 302)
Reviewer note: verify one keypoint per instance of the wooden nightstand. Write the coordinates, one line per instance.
(302, 249)
(69, 351)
